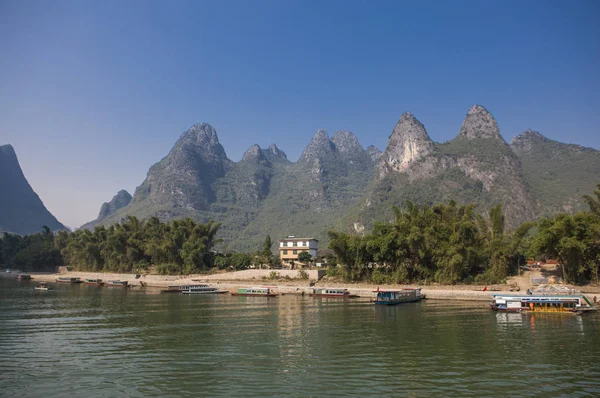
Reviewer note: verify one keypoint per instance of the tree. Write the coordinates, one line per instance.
(304, 257)
(594, 203)
(266, 254)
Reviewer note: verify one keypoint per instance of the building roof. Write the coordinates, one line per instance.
(294, 238)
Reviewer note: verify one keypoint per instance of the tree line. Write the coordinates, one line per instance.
(448, 243)
(445, 243)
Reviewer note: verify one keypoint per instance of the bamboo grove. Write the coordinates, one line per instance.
(176, 247)
(444, 243)
(448, 243)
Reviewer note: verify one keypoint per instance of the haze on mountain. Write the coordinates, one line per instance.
(21, 209)
(337, 184)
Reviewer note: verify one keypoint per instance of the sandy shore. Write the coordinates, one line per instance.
(233, 280)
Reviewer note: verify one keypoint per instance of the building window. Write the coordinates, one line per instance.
(295, 244)
(285, 252)
(295, 252)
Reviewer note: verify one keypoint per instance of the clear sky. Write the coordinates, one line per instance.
(92, 93)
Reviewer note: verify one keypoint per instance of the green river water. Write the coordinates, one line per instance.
(106, 342)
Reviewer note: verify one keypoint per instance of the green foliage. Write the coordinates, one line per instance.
(178, 247)
(305, 257)
(273, 275)
(445, 243)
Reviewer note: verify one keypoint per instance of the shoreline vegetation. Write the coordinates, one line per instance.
(444, 244)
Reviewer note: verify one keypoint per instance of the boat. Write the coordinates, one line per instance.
(42, 286)
(393, 297)
(94, 282)
(331, 293)
(175, 289)
(201, 289)
(542, 303)
(24, 277)
(117, 283)
(255, 292)
(67, 279)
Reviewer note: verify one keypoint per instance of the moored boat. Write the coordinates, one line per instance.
(117, 283)
(201, 289)
(67, 279)
(394, 297)
(42, 286)
(331, 293)
(542, 303)
(24, 277)
(255, 292)
(174, 289)
(94, 282)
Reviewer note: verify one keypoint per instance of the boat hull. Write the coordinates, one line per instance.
(209, 292)
(340, 296)
(255, 295)
(397, 302)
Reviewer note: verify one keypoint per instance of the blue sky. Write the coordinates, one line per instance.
(93, 93)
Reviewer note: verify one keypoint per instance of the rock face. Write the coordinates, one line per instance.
(337, 184)
(559, 174)
(120, 200)
(479, 123)
(184, 178)
(408, 143)
(21, 210)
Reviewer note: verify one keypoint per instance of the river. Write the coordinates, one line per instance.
(106, 342)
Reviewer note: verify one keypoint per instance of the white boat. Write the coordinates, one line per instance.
(542, 303)
(201, 289)
(42, 286)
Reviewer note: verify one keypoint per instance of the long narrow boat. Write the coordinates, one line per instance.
(42, 286)
(202, 289)
(542, 303)
(255, 292)
(67, 279)
(394, 297)
(174, 289)
(94, 282)
(24, 277)
(330, 292)
(117, 283)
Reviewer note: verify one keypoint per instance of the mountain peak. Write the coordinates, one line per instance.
(202, 133)
(523, 143)
(346, 142)
(408, 142)
(274, 151)
(254, 153)
(479, 123)
(320, 146)
(373, 152)
(120, 200)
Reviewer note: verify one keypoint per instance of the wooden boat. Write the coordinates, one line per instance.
(94, 282)
(42, 286)
(255, 292)
(201, 289)
(175, 289)
(394, 297)
(331, 293)
(67, 279)
(24, 277)
(117, 283)
(542, 303)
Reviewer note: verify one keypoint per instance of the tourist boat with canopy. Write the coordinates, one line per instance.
(201, 289)
(255, 292)
(330, 292)
(542, 303)
(68, 279)
(394, 297)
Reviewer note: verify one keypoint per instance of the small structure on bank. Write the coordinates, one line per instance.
(291, 247)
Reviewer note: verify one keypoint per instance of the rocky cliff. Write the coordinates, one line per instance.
(559, 174)
(21, 209)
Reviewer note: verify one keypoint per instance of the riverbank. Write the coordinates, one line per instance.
(283, 284)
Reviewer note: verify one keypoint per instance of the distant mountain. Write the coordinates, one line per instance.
(336, 183)
(120, 200)
(21, 210)
(559, 174)
(477, 166)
